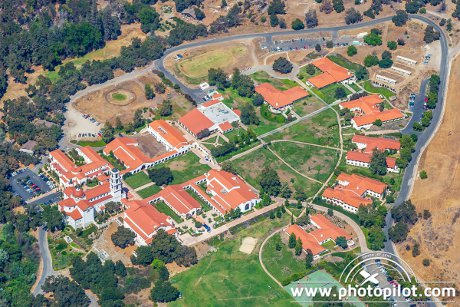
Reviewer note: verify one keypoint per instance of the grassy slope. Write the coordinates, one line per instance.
(229, 277)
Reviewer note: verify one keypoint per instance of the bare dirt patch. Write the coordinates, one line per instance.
(440, 194)
(248, 244)
(104, 242)
(103, 107)
(149, 145)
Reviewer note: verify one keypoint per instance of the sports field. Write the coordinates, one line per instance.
(195, 67)
(228, 277)
(318, 279)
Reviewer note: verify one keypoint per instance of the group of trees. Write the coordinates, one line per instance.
(372, 217)
(374, 38)
(161, 175)
(407, 148)
(435, 81)
(123, 237)
(430, 35)
(372, 60)
(282, 65)
(166, 248)
(405, 217)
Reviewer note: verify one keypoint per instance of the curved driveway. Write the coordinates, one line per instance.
(47, 265)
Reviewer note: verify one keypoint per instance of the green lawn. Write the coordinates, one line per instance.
(307, 105)
(99, 143)
(329, 245)
(322, 129)
(137, 180)
(303, 75)
(252, 165)
(342, 61)
(312, 161)
(163, 208)
(328, 93)
(281, 84)
(283, 265)
(378, 90)
(228, 277)
(185, 167)
(205, 206)
(114, 161)
(119, 96)
(355, 87)
(149, 191)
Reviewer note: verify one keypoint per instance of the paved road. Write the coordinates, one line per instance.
(47, 265)
(418, 108)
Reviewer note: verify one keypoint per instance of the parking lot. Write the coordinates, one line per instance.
(26, 184)
(308, 43)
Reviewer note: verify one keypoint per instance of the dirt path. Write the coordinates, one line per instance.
(440, 194)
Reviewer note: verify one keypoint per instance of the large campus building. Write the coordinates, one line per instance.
(127, 150)
(71, 174)
(224, 192)
(353, 191)
(212, 115)
(79, 206)
(145, 220)
(331, 73)
(367, 110)
(323, 231)
(279, 100)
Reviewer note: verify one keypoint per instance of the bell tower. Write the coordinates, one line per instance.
(115, 184)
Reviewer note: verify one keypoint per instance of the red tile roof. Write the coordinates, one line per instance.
(195, 121)
(229, 190)
(367, 157)
(210, 103)
(379, 143)
(173, 136)
(225, 126)
(178, 198)
(332, 73)
(308, 241)
(144, 218)
(359, 184)
(327, 229)
(346, 197)
(384, 116)
(74, 215)
(366, 104)
(127, 151)
(279, 99)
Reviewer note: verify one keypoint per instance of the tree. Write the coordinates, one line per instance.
(149, 93)
(338, 6)
(223, 4)
(292, 240)
(371, 60)
(118, 124)
(311, 19)
(342, 242)
(378, 122)
(416, 249)
(386, 61)
(329, 44)
(160, 88)
(270, 182)
(426, 262)
(353, 16)
(330, 212)
(430, 35)
(376, 238)
(138, 120)
(282, 65)
(52, 218)
(276, 7)
(65, 292)
(274, 21)
(199, 14)
(310, 69)
(248, 115)
(166, 108)
(318, 47)
(107, 132)
(326, 7)
(378, 164)
(164, 292)
(405, 212)
(340, 93)
(218, 77)
(161, 176)
(257, 100)
(120, 268)
(303, 220)
(308, 259)
(361, 73)
(297, 24)
(298, 247)
(398, 232)
(401, 18)
(423, 174)
(123, 237)
(351, 50)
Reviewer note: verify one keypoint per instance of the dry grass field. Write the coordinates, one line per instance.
(440, 194)
(108, 108)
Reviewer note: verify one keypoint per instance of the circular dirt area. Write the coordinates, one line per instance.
(120, 97)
